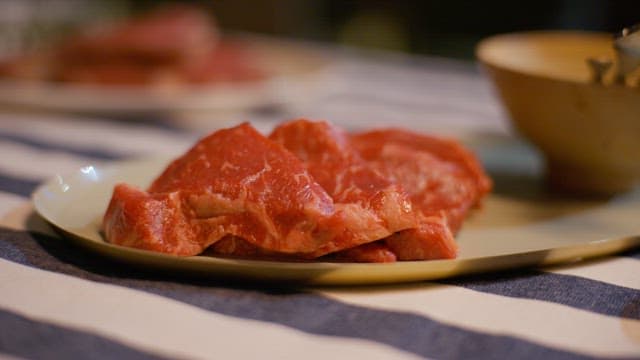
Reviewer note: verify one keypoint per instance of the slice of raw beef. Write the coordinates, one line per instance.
(439, 175)
(442, 178)
(431, 240)
(237, 182)
(333, 161)
(329, 157)
(309, 191)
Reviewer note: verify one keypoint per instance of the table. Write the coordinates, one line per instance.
(59, 301)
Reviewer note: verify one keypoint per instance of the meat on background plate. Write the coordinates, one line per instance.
(172, 45)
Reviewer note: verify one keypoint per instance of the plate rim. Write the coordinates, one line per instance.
(330, 273)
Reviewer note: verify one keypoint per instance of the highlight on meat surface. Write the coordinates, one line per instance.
(307, 192)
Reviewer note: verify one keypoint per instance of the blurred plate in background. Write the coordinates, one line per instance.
(294, 73)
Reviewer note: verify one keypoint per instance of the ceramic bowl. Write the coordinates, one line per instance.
(588, 132)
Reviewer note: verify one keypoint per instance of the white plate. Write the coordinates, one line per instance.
(507, 233)
(295, 73)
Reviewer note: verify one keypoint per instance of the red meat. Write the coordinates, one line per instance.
(431, 240)
(237, 182)
(338, 168)
(439, 174)
(168, 36)
(308, 191)
(332, 161)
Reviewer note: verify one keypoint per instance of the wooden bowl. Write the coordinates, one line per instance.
(588, 132)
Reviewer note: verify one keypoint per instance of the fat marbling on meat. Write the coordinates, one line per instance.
(236, 182)
(443, 179)
(309, 191)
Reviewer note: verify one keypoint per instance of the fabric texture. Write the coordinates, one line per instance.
(61, 301)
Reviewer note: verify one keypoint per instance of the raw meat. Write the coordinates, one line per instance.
(237, 182)
(139, 50)
(330, 158)
(377, 251)
(338, 168)
(156, 222)
(431, 240)
(309, 191)
(166, 48)
(443, 179)
(439, 174)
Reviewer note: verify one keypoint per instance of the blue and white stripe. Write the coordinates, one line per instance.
(59, 301)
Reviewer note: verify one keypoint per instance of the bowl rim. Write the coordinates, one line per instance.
(482, 49)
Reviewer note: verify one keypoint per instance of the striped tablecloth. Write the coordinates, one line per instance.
(59, 301)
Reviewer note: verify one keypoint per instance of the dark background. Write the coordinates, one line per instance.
(445, 28)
